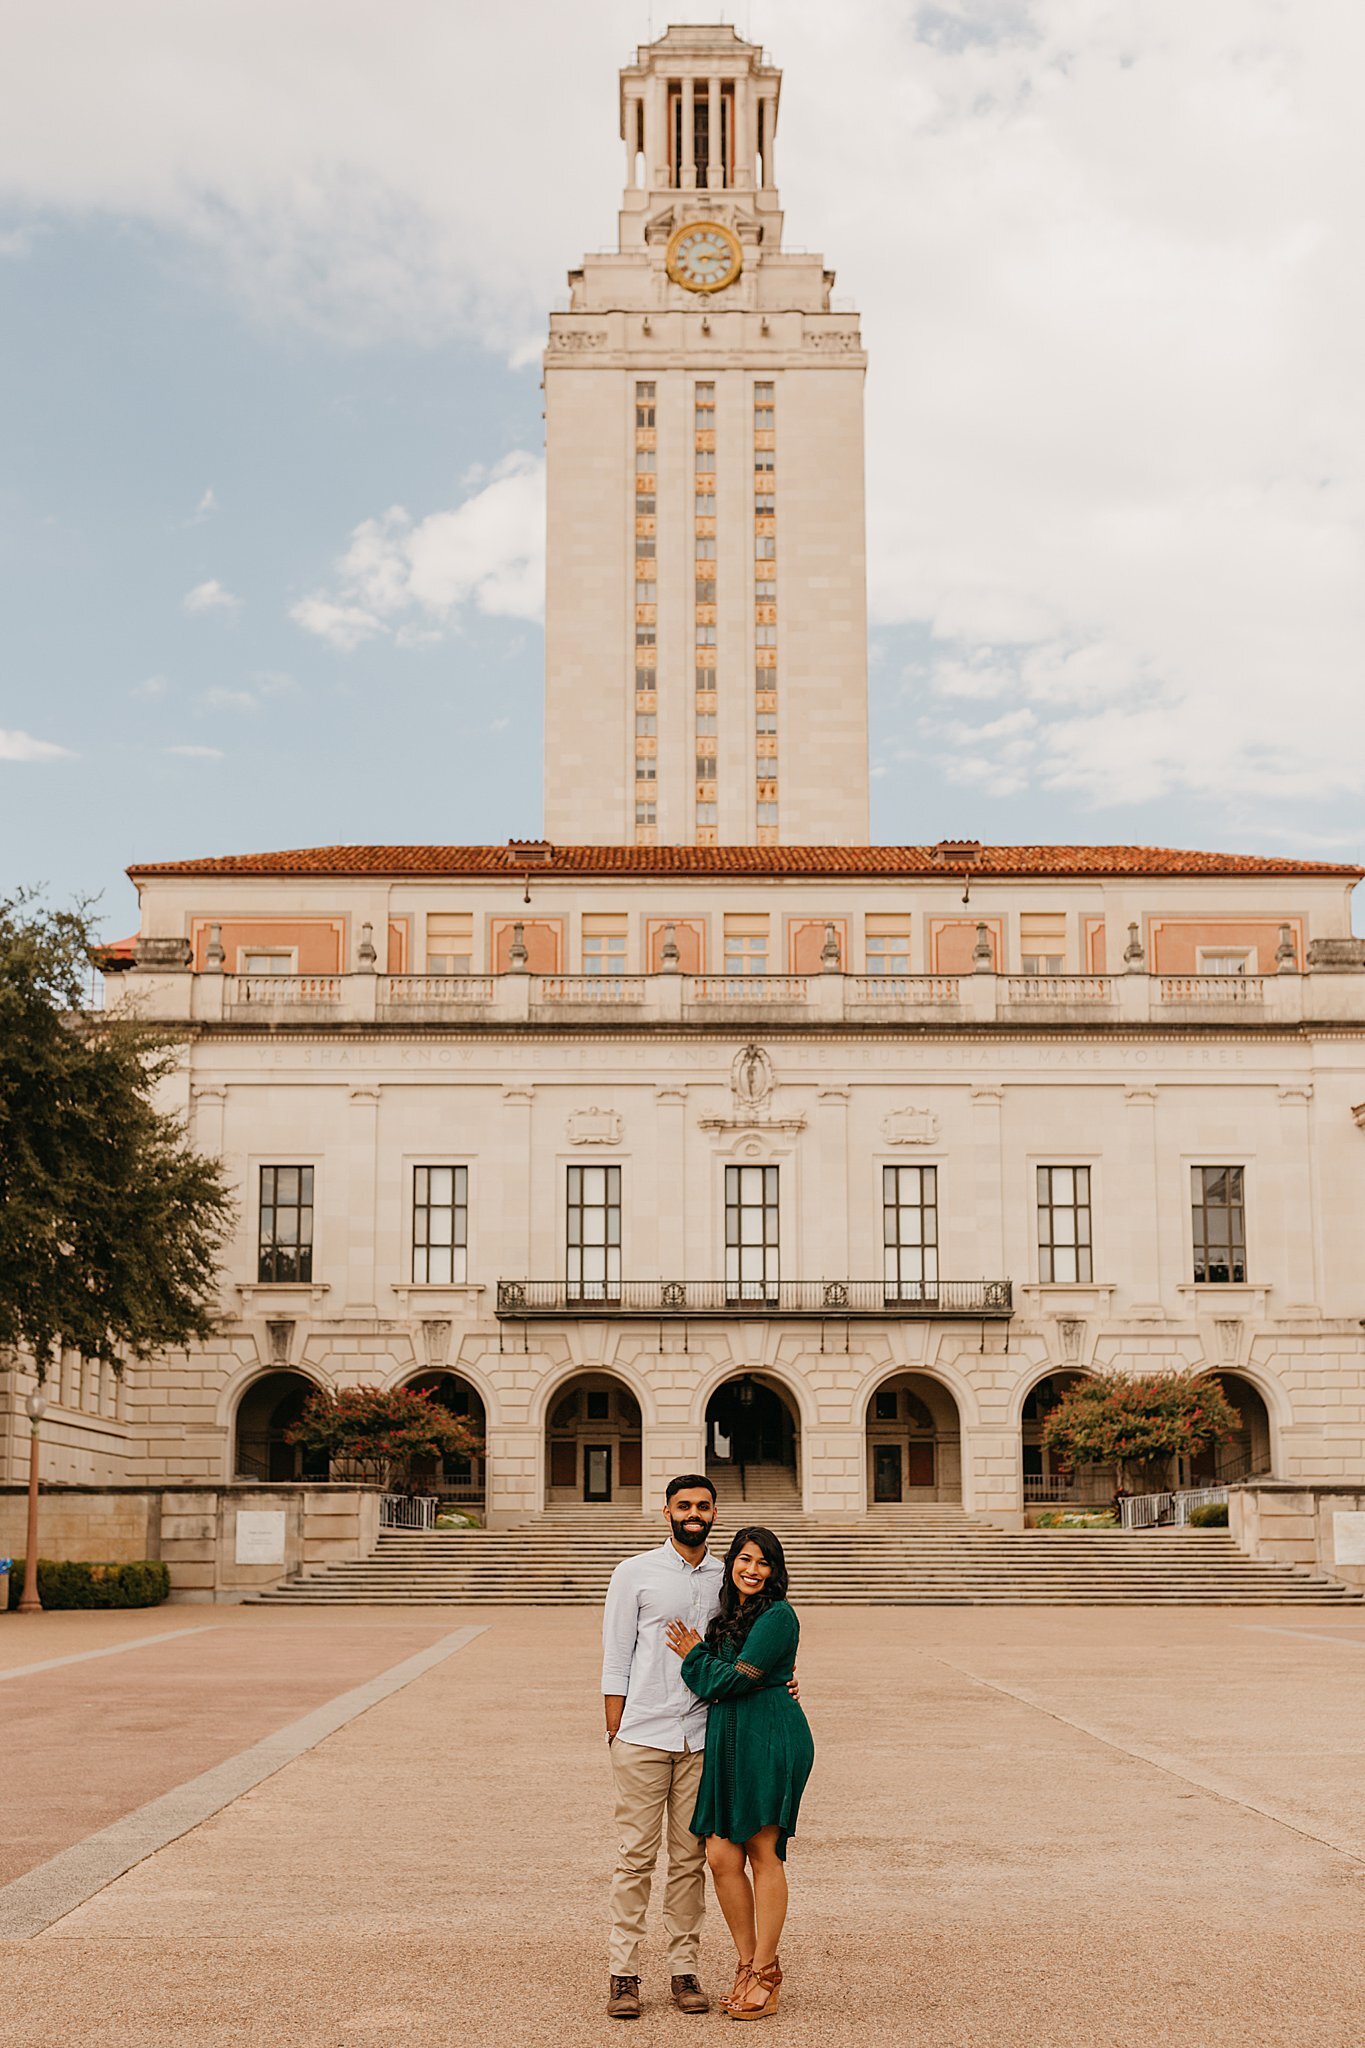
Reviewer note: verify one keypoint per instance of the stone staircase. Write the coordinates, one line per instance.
(899, 1557)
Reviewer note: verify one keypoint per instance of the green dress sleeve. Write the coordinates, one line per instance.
(770, 1642)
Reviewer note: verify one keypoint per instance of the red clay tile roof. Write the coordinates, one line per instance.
(741, 862)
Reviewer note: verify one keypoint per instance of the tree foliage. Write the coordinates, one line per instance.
(1141, 1423)
(384, 1427)
(111, 1224)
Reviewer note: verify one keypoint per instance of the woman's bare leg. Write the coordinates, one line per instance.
(734, 1893)
(770, 1903)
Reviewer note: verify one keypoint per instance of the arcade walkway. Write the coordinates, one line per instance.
(1059, 1829)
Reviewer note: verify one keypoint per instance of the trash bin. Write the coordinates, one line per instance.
(5, 1566)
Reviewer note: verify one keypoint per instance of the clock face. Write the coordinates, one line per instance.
(704, 257)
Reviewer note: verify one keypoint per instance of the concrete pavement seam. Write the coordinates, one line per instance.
(1304, 1635)
(37, 1900)
(172, 1635)
(1156, 1759)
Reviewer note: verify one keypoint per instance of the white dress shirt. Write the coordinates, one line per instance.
(645, 1594)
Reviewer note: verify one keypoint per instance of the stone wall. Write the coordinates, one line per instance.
(1321, 1527)
(195, 1530)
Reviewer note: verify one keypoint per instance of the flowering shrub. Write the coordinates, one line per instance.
(385, 1428)
(1140, 1422)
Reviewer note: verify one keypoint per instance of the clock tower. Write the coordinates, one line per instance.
(706, 630)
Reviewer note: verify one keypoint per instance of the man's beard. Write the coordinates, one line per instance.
(690, 1532)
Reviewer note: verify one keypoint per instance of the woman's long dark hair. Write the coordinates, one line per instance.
(735, 1616)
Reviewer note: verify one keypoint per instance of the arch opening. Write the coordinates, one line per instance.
(914, 1443)
(753, 1441)
(1250, 1455)
(1047, 1481)
(460, 1482)
(261, 1450)
(593, 1443)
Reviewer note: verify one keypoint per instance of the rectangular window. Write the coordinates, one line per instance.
(646, 813)
(706, 502)
(706, 722)
(765, 547)
(910, 1232)
(594, 1233)
(764, 459)
(1042, 942)
(646, 723)
(765, 636)
(765, 592)
(276, 962)
(604, 940)
(1225, 960)
(1064, 1223)
(450, 943)
(764, 502)
(1220, 1222)
(440, 1223)
(286, 1232)
(751, 1272)
(706, 589)
(706, 636)
(706, 814)
(746, 944)
(644, 405)
(888, 945)
(765, 814)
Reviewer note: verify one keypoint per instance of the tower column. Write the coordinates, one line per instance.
(767, 112)
(715, 158)
(687, 163)
(656, 132)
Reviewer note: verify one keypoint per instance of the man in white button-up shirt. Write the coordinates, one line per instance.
(656, 1729)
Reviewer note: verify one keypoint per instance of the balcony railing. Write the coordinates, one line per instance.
(974, 1299)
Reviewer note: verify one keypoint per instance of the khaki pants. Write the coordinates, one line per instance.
(649, 1784)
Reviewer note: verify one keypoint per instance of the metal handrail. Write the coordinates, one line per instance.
(969, 1298)
(1167, 1510)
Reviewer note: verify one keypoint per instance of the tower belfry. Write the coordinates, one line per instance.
(706, 637)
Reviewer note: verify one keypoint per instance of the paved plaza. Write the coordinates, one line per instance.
(1045, 1828)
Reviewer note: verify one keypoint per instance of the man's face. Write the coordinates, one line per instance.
(691, 1512)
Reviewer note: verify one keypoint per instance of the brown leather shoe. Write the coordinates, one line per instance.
(688, 1995)
(624, 2003)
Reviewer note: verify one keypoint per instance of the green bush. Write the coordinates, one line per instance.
(1214, 1516)
(63, 1584)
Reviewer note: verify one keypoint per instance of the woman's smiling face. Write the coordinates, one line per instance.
(751, 1571)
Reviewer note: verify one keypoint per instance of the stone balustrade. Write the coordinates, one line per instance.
(1081, 1001)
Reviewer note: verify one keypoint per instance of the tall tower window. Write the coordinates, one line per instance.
(646, 609)
(766, 815)
(704, 594)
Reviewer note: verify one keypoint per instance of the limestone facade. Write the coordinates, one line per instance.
(652, 1094)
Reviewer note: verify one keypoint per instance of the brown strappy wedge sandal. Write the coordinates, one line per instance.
(743, 1971)
(771, 1980)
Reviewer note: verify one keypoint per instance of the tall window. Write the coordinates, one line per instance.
(746, 944)
(604, 939)
(286, 1232)
(450, 943)
(751, 1233)
(1064, 1223)
(704, 612)
(440, 1223)
(1042, 942)
(765, 611)
(594, 1233)
(910, 1232)
(888, 945)
(1220, 1222)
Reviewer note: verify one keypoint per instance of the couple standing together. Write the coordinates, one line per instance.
(704, 1729)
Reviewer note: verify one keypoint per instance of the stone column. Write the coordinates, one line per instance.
(670, 1167)
(518, 1249)
(988, 1182)
(831, 1208)
(1140, 1257)
(687, 166)
(1294, 1187)
(715, 157)
(656, 132)
(767, 115)
(361, 1220)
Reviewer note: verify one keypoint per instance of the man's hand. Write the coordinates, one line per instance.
(793, 1688)
(681, 1638)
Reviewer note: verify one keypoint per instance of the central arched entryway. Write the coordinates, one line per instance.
(1250, 1454)
(460, 1481)
(914, 1442)
(261, 1449)
(753, 1442)
(593, 1443)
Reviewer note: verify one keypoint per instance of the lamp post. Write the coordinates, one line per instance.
(29, 1603)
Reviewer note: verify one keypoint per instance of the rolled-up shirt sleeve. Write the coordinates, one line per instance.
(620, 1621)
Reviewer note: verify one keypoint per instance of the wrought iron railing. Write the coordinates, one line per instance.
(967, 1298)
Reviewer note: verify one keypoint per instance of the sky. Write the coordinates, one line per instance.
(273, 285)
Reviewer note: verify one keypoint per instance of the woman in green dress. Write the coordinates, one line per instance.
(758, 1757)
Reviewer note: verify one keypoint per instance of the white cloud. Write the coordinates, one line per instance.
(1106, 258)
(205, 509)
(17, 243)
(210, 597)
(150, 688)
(249, 696)
(413, 579)
(193, 753)
(21, 746)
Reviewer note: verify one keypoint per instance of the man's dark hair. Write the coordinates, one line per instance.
(688, 1480)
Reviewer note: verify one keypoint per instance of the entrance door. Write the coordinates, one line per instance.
(886, 1473)
(597, 1471)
